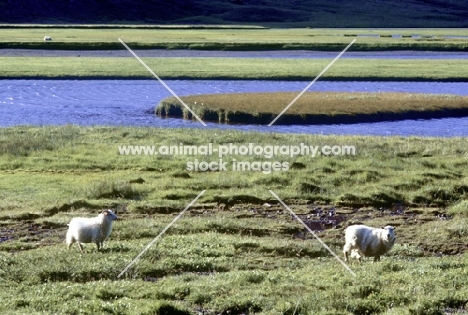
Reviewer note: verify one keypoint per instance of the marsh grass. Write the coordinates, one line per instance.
(238, 107)
(234, 68)
(233, 39)
(114, 190)
(236, 250)
(85, 164)
(21, 142)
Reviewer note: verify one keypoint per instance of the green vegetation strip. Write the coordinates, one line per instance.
(236, 250)
(234, 68)
(314, 107)
(236, 39)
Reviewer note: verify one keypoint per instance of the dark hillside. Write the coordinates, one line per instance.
(277, 13)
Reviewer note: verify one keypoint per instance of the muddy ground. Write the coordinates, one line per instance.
(328, 222)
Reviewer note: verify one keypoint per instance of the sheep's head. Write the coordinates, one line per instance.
(388, 234)
(109, 215)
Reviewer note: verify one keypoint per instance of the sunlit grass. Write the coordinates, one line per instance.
(225, 107)
(236, 250)
(233, 68)
(239, 39)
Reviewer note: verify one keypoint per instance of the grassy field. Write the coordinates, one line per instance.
(236, 250)
(225, 38)
(233, 68)
(318, 107)
(236, 39)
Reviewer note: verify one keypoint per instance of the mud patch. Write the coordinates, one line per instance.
(28, 234)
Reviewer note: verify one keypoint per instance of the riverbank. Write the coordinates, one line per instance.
(169, 39)
(66, 151)
(448, 70)
(226, 38)
(276, 54)
(315, 107)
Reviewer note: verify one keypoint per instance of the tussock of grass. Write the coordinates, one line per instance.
(313, 106)
(114, 190)
(22, 142)
(459, 208)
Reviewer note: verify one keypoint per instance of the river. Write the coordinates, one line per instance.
(277, 54)
(132, 103)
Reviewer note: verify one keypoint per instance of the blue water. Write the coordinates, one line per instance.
(286, 54)
(132, 103)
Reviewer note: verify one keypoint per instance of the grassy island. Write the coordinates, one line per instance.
(315, 107)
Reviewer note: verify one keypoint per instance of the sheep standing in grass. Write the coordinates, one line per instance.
(90, 230)
(363, 240)
(47, 38)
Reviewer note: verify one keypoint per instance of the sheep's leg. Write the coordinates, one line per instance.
(376, 258)
(346, 250)
(70, 240)
(81, 247)
(98, 244)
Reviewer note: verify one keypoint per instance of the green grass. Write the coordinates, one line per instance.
(318, 107)
(234, 39)
(230, 252)
(233, 68)
(84, 163)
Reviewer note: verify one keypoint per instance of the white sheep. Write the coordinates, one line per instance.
(367, 241)
(91, 230)
(46, 38)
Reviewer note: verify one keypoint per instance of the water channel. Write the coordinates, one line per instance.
(132, 103)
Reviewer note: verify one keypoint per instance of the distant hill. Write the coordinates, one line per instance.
(274, 13)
